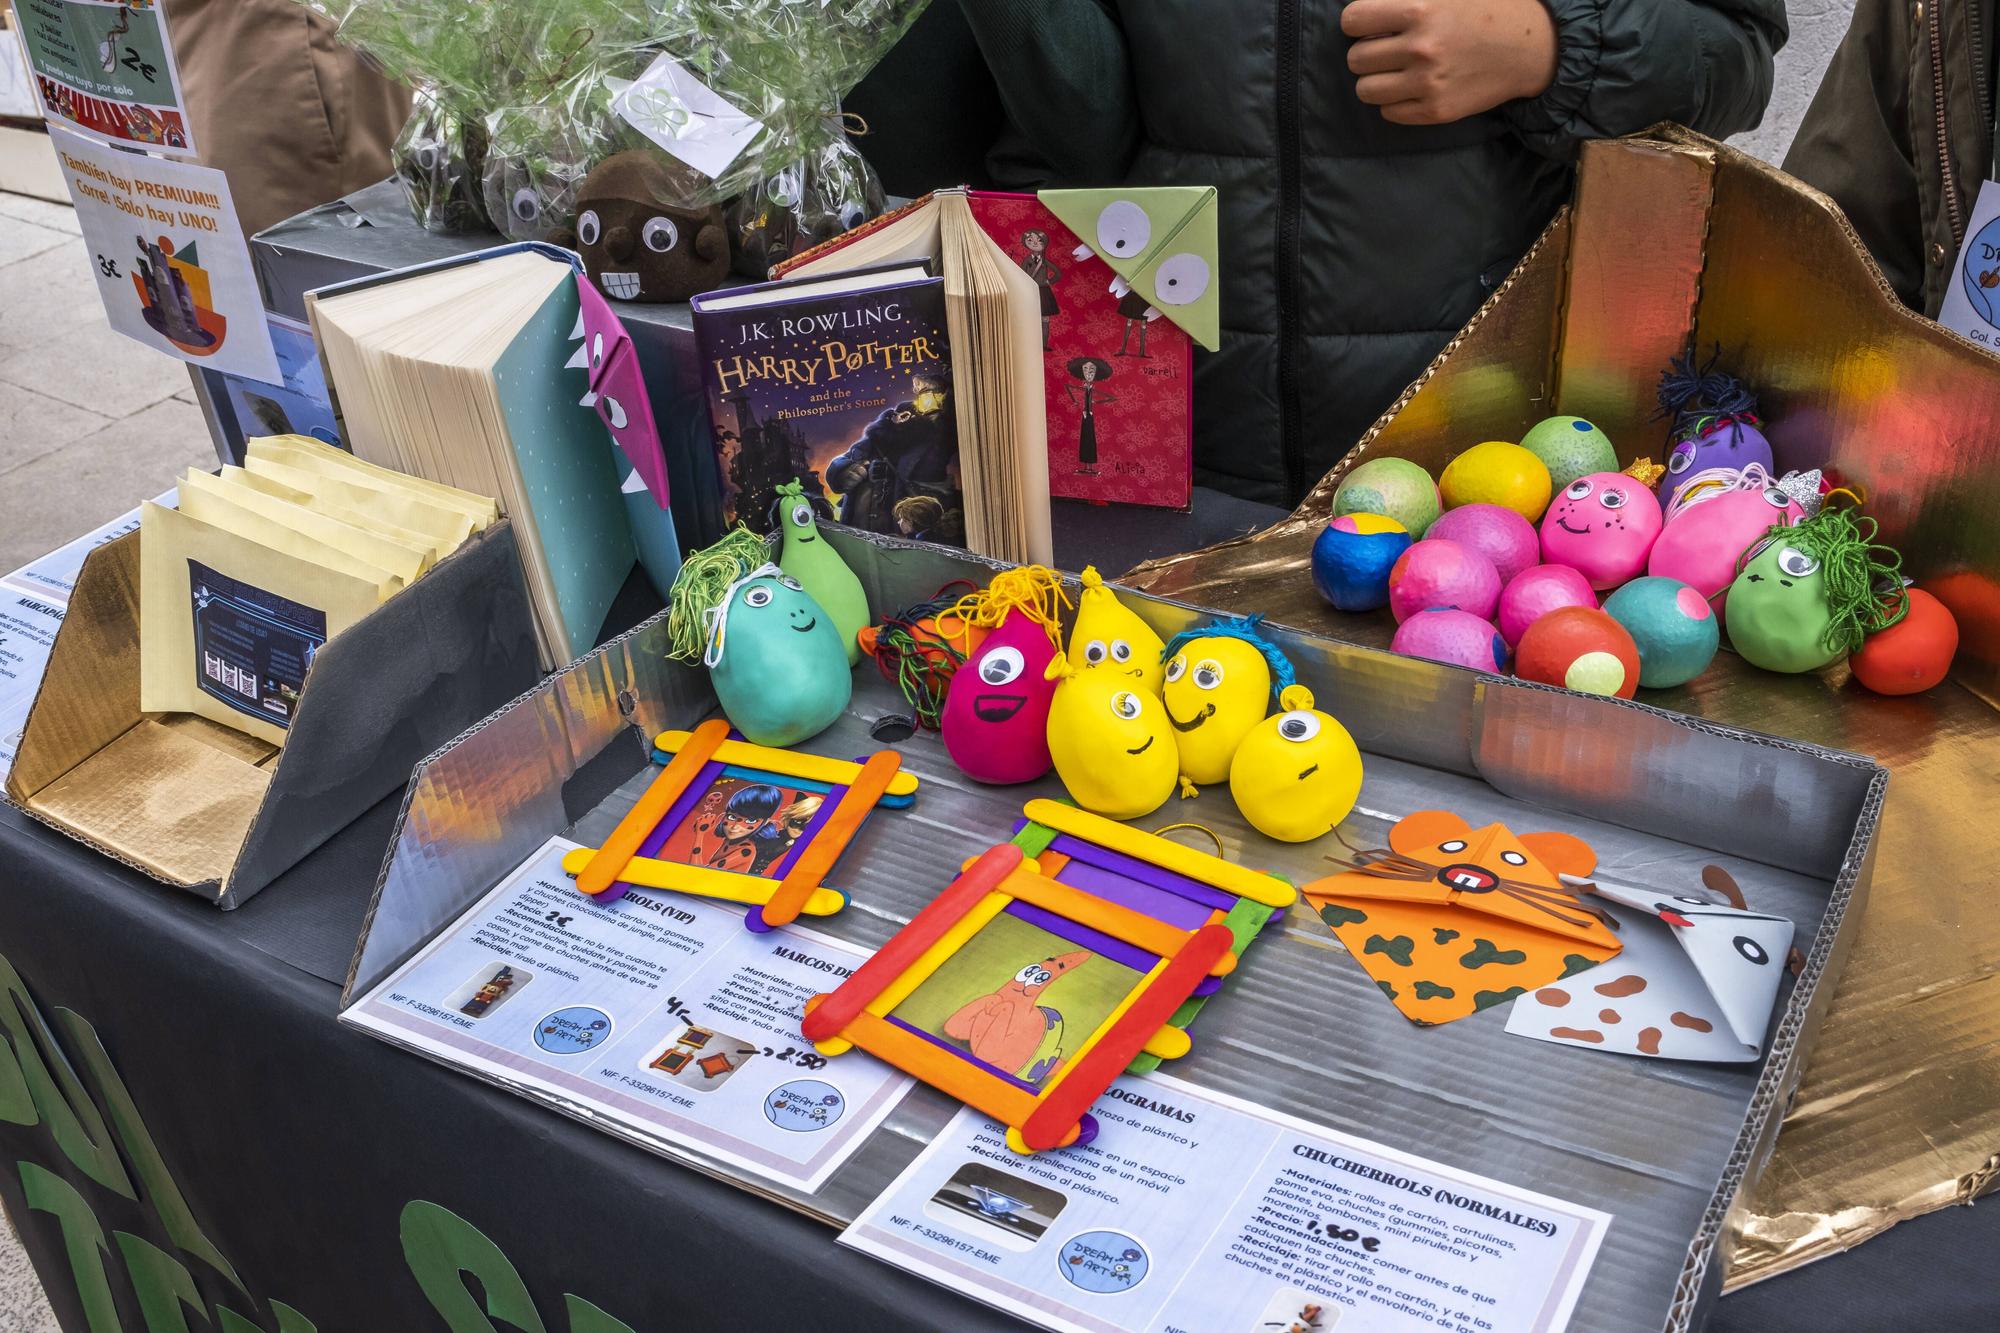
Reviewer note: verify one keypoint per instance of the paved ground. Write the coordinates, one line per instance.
(90, 424)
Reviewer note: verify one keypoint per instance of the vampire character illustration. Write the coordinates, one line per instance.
(1088, 372)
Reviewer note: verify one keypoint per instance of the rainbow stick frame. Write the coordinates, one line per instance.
(697, 758)
(857, 1013)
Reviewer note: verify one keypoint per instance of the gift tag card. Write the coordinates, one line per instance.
(684, 116)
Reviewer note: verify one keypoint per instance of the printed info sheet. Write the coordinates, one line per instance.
(660, 1013)
(1193, 1212)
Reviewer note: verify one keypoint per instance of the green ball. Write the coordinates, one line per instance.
(1392, 487)
(1570, 447)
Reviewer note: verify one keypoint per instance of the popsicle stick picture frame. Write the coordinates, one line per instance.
(741, 823)
(1025, 996)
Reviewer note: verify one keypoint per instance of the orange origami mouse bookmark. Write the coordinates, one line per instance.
(1449, 919)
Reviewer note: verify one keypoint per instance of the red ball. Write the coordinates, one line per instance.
(1911, 655)
(1580, 649)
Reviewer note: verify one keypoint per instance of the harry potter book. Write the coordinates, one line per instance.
(845, 385)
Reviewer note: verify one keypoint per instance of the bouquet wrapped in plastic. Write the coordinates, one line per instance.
(439, 158)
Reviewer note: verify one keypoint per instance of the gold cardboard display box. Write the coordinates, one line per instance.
(222, 814)
(1677, 243)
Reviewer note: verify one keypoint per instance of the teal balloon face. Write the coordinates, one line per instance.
(777, 663)
(1781, 622)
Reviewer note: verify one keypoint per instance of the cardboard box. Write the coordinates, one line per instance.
(213, 811)
(1665, 1147)
(1677, 243)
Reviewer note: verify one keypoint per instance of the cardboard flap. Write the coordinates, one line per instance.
(89, 695)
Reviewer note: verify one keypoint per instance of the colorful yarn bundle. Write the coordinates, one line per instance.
(1702, 400)
(703, 582)
(1033, 590)
(918, 656)
(1711, 483)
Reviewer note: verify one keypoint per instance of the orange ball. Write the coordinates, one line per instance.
(1581, 649)
(1911, 655)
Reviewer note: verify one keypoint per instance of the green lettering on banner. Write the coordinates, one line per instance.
(587, 1318)
(440, 1246)
(67, 1110)
(83, 1239)
(163, 1283)
(161, 1190)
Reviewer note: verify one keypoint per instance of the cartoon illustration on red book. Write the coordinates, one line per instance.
(1009, 1029)
(1088, 371)
(1035, 263)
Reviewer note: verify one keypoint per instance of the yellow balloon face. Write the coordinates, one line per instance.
(1111, 744)
(1215, 691)
(1110, 636)
(1296, 775)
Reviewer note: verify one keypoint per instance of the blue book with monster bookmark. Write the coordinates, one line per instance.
(844, 384)
(482, 373)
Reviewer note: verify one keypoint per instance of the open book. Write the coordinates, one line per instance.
(993, 315)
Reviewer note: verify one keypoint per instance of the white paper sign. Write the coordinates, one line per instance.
(684, 116)
(169, 256)
(107, 68)
(1972, 301)
(659, 1014)
(1193, 1211)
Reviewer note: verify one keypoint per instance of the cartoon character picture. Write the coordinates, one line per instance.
(1088, 372)
(174, 296)
(1603, 526)
(908, 450)
(728, 831)
(636, 242)
(1035, 263)
(1009, 1030)
(778, 837)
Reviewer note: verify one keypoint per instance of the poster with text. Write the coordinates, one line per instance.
(169, 255)
(107, 69)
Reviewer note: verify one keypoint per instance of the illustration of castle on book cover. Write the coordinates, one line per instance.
(849, 393)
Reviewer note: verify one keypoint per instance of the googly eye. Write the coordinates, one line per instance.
(1795, 562)
(757, 597)
(1455, 845)
(596, 350)
(1776, 498)
(1181, 280)
(1298, 727)
(1579, 489)
(1095, 652)
(587, 227)
(1176, 668)
(852, 216)
(1208, 673)
(791, 583)
(802, 515)
(1612, 499)
(1123, 229)
(784, 187)
(1514, 858)
(525, 205)
(1002, 665)
(1121, 651)
(1681, 459)
(660, 235)
(427, 157)
(1126, 705)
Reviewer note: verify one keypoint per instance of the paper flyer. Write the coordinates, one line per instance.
(1972, 299)
(1194, 1212)
(170, 258)
(658, 1013)
(28, 625)
(107, 68)
(53, 577)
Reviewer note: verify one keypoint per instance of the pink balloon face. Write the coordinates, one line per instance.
(1534, 593)
(996, 717)
(1603, 526)
(1436, 573)
(1703, 543)
(1498, 533)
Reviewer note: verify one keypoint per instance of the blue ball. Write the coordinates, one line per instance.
(1352, 558)
(1674, 627)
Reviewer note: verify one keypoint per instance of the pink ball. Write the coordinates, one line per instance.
(1496, 532)
(1460, 638)
(1701, 546)
(1443, 573)
(1533, 593)
(1602, 526)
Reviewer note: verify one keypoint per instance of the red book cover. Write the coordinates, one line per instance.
(1121, 427)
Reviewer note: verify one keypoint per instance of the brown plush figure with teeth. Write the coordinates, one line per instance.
(636, 243)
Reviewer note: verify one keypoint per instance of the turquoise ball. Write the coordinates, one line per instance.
(1673, 625)
(1352, 557)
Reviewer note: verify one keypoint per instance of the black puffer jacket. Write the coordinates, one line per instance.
(1351, 248)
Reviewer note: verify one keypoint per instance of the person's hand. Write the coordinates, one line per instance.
(1430, 62)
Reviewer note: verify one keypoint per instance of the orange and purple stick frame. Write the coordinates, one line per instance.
(796, 883)
(1056, 1114)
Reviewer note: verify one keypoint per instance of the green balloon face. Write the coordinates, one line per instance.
(820, 570)
(775, 659)
(1777, 610)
